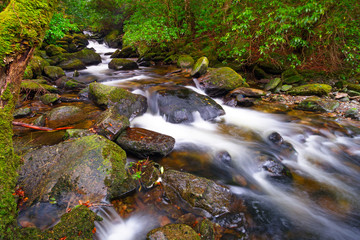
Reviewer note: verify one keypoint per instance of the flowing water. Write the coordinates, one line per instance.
(319, 201)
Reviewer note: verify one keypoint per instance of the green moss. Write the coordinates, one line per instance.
(185, 61)
(311, 89)
(33, 86)
(37, 65)
(49, 98)
(200, 67)
(22, 25)
(122, 64)
(28, 73)
(225, 77)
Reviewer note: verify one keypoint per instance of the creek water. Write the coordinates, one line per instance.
(319, 201)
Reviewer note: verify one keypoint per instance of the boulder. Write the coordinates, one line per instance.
(260, 74)
(53, 72)
(53, 50)
(197, 192)
(87, 56)
(28, 74)
(311, 89)
(270, 67)
(272, 84)
(40, 121)
(63, 116)
(178, 104)
(173, 232)
(145, 143)
(34, 86)
(220, 81)
(88, 168)
(77, 133)
(352, 113)
(110, 124)
(247, 92)
(69, 83)
(122, 64)
(200, 67)
(291, 76)
(37, 65)
(72, 64)
(185, 62)
(80, 40)
(126, 103)
(22, 112)
(49, 98)
(113, 39)
(277, 170)
(317, 104)
(126, 52)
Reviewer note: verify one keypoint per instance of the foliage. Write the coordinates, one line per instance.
(59, 26)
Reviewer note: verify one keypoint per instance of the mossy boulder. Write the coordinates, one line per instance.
(22, 112)
(72, 64)
(53, 50)
(28, 74)
(200, 193)
(87, 56)
(185, 62)
(92, 166)
(110, 123)
(178, 104)
(113, 39)
(122, 64)
(64, 116)
(273, 84)
(69, 83)
(317, 104)
(173, 232)
(311, 89)
(200, 67)
(33, 86)
(126, 103)
(145, 143)
(77, 133)
(49, 98)
(292, 76)
(220, 81)
(80, 40)
(54, 72)
(270, 67)
(353, 86)
(126, 52)
(37, 65)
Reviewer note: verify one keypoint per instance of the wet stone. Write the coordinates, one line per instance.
(143, 143)
(22, 112)
(173, 232)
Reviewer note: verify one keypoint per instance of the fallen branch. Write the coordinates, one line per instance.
(38, 127)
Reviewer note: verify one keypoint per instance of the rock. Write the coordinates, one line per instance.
(198, 193)
(317, 104)
(122, 64)
(37, 65)
(72, 64)
(270, 67)
(353, 93)
(49, 98)
(113, 39)
(126, 52)
(89, 168)
(260, 74)
(352, 113)
(69, 83)
(33, 86)
(272, 84)
(206, 229)
(22, 112)
(354, 87)
(53, 72)
(80, 40)
(40, 121)
(311, 89)
(285, 88)
(277, 170)
(178, 104)
(144, 143)
(173, 232)
(63, 116)
(126, 103)
(200, 67)
(247, 92)
(244, 101)
(291, 76)
(53, 50)
(220, 81)
(77, 133)
(282, 148)
(110, 124)
(28, 74)
(87, 56)
(76, 73)
(185, 62)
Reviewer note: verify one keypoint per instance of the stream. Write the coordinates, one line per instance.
(319, 201)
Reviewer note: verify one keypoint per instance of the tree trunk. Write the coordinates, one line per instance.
(22, 27)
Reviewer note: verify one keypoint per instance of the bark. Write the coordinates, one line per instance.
(22, 27)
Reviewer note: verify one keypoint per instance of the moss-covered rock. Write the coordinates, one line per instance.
(291, 76)
(93, 165)
(270, 67)
(317, 104)
(197, 192)
(173, 232)
(122, 64)
(40, 121)
(64, 115)
(185, 62)
(247, 92)
(110, 123)
(53, 50)
(260, 74)
(352, 113)
(37, 65)
(311, 89)
(22, 112)
(220, 81)
(69, 83)
(272, 84)
(72, 64)
(126, 52)
(87, 56)
(53, 72)
(28, 74)
(28, 86)
(49, 98)
(113, 39)
(126, 103)
(354, 87)
(145, 143)
(77, 133)
(200, 67)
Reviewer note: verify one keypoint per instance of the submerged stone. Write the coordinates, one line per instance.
(317, 104)
(22, 112)
(144, 143)
(173, 232)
